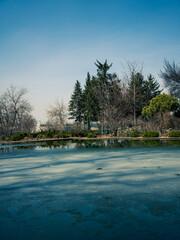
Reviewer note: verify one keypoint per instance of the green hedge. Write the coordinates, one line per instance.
(135, 133)
(82, 133)
(174, 133)
(65, 135)
(91, 135)
(150, 134)
(18, 136)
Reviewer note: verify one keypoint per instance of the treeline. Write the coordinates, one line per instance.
(113, 105)
(118, 104)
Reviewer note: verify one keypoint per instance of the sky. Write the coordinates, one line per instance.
(45, 46)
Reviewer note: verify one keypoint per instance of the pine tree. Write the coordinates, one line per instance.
(151, 88)
(111, 98)
(76, 104)
(102, 71)
(90, 102)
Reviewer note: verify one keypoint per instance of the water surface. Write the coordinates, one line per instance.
(90, 190)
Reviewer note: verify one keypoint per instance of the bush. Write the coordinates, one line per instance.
(174, 133)
(79, 133)
(50, 133)
(83, 133)
(18, 136)
(74, 134)
(151, 134)
(3, 138)
(91, 135)
(34, 134)
(40, 135)
(57, 135)
(135, 133)
(64, 135)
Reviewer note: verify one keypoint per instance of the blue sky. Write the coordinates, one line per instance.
(46, 45)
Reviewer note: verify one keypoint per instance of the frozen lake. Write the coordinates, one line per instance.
(90, 190)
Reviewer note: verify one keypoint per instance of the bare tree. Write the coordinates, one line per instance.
(131, 68)
(28, 123)
(112, 100)
(13, 109)
(57, 115)
(135, 80)
(171, 77)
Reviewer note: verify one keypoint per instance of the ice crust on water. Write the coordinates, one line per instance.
(57, 193)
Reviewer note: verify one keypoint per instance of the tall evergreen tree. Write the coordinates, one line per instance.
(102, 71)
(76, 104)
(110, 98)
(151, 89)
(90, 101)
(141, 92)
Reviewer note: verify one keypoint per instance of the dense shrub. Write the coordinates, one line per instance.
(46, 134)
(64, 135)
(174, 133)
(74, 134)
(41, 135)
(3, 137)
(18, 136)
(79, 133)
(83, 133)
(151, 134)
(34, 134)
(58, 135)
(91, 135)
(50, 133)
(135, 133)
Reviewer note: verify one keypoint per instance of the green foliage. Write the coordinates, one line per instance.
(150, 134)
(174, 133)
(41, 135)
(76, 104)
(160, 104)
(91, 135)
(65, 135)
(3, 138)
(50, 133)
(151, 89)
(18, 136)
(135, 133)
(79, 133)
(57, 135)
(74, 134)
(102, 71)
(34, 134)
(90, 101)
(83, 133)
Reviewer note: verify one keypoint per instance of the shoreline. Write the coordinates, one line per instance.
(85, 138)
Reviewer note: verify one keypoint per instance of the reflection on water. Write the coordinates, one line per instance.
(83, 144)
(100, 190)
